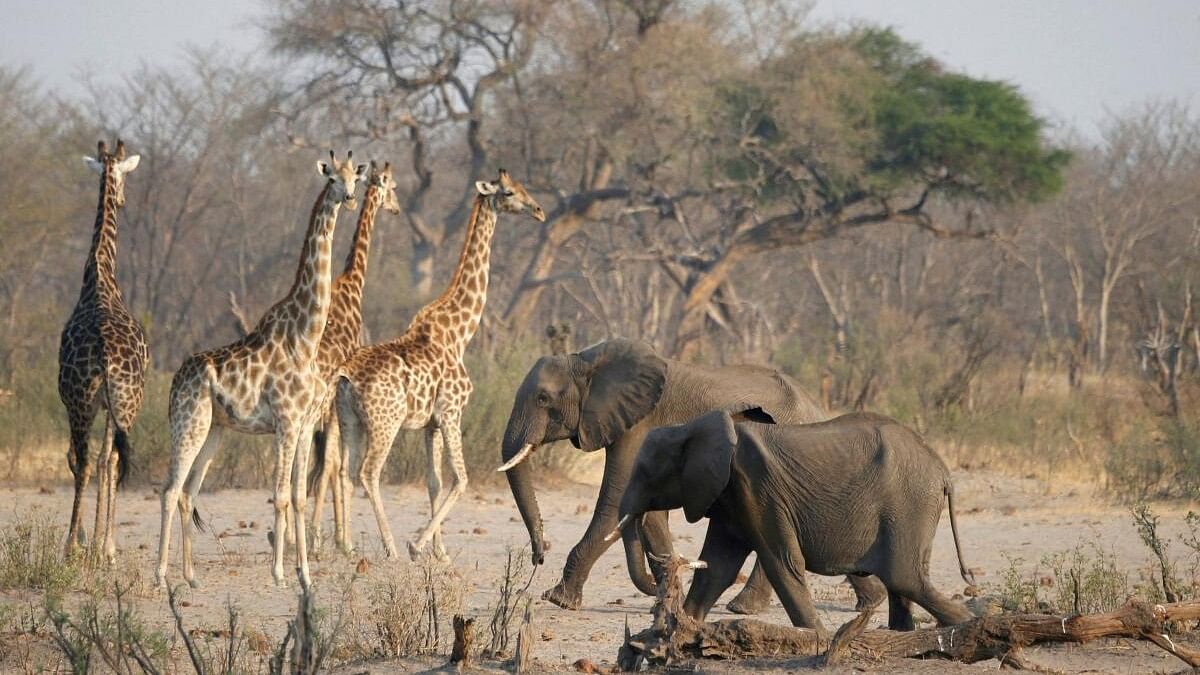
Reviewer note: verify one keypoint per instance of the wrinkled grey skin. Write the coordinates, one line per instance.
(859, 494)
(608, 396)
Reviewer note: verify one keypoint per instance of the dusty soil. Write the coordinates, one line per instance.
(1000, 517)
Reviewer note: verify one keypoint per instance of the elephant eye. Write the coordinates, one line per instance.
(543, 399)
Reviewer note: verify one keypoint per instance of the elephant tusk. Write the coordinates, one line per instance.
(616, 533)
(697, 565)
(517, 459)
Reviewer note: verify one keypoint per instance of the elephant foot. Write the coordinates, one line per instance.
(748, 605)
(560, 596)
(869, 590)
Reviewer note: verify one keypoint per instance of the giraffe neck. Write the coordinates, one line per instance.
(462, 302)
(100, 271)
(355, 272)
(305, 308)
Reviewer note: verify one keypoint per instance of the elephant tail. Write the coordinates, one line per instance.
(962, 565)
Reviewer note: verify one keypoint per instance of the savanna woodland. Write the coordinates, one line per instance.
(725, 181)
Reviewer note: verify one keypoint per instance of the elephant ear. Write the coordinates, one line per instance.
(622, 382)
(707, 459)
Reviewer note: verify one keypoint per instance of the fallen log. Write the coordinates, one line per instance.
(674, 636)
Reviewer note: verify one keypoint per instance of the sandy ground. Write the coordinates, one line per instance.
(999, 516)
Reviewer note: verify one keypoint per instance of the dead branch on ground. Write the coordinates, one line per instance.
(674, 636)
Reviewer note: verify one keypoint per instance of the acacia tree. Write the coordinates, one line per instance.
(418, 74)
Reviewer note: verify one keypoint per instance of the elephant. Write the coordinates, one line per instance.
(609, 396)
(858, 494)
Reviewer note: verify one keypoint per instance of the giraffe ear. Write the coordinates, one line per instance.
(485, 188)
(93, 164)
(361, 170)
(129, 163)
(323, 167)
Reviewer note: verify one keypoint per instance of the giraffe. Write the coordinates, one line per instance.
(343, 334)
(265, 382)
(102, 360)
(418, 380)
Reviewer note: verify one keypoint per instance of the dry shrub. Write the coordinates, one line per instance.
(31, 555)
(406, 614)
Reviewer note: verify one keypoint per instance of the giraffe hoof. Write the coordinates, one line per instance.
(413, 551)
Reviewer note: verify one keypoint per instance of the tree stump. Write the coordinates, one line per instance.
(525, 640)
(464, 636)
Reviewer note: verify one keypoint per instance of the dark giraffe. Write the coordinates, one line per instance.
(102, 360)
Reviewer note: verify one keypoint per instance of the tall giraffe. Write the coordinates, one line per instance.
(343, 334)
(102, 359)
(267, 382)
(418, 380)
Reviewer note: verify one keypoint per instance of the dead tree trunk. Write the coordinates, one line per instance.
(674, 636)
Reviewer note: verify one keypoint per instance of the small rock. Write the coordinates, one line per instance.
(479, 530)
(143, 547)
(362, 567)
(581, 508)
(241, 524)
(45, 490)
(587, 666)
(618, 601)
(184, 603)
(514, 519)
(547, 635)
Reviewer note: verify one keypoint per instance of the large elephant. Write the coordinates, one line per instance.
(608, 396)
(859, 494)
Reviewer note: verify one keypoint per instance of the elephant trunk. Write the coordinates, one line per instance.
(635, 559)
(520, 480)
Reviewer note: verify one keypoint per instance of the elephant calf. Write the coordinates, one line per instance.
(860, 494)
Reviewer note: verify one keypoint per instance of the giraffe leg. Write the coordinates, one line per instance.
(81, 469)
(349, 437)
(452, 436)
(299, 497)
(110, 530)
(349, 440)
(187, 501)
(433, 481)
(379, 442)
(337, 485)
(106, 462)
(287, 438)
(191, 419)
(325, 442)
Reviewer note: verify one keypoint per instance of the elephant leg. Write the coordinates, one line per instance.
(755, 595)
(724, 553)
(869, 590)
(899, 612)
(618, 465)
(784, 567)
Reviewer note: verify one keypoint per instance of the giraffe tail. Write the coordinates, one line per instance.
(320, 447)
(197, 521)
(124, 455)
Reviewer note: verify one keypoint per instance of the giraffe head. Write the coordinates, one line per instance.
(343, 177)
(113, 165)
(381, 179)
(510, 196)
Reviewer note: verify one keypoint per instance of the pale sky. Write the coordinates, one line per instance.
(1076, 59)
